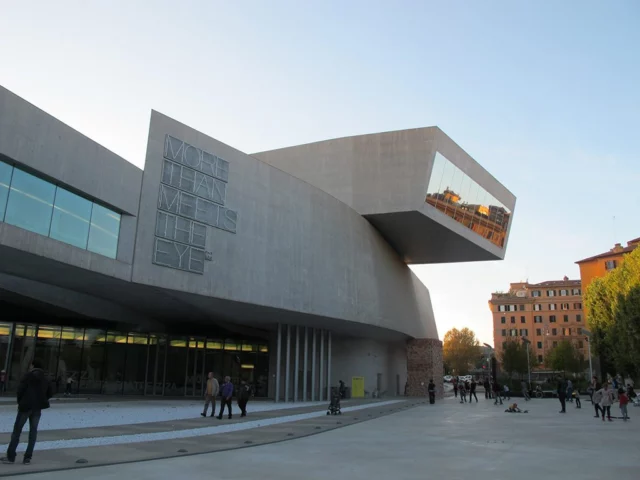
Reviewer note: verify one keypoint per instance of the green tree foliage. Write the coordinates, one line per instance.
(513, 358)
(460, 350)
(613, 306)
(565, 357)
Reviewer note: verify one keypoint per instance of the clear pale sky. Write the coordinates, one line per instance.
(545, 95)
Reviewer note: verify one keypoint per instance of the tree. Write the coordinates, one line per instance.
(460, 350)
(513, 358)
(565, 357)
(613, 306)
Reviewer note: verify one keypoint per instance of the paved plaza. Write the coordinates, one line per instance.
(386, 439)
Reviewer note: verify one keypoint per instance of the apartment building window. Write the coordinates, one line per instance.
(579, 331)
(539, 358)
(537, 319)
(552, 306)
(564, 293)
(566, 318)
(521, 308)
(554, 331)
(513, 319)
(524, 332)
(578, 318)
(580, 344)
(566, 331)
(555, 344)
(539, 332)
(514, 332)
(502, 308)
(551, 293)
(539, 344)
(513, 308)
(535, 293)
(552, 319)
(577, 306)
(503, 319)
(564, 306)
(523, 319)
(504, 332)
(610, 264)
(576, 291)
(537, 307)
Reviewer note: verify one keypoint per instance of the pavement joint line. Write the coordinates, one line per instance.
(161, 457)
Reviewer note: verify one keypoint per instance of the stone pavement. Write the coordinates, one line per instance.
(117, 436)
(446, 440)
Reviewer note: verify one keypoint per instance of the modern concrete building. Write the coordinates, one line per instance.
(284, 268)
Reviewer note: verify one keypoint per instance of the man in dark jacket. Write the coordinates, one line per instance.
(227, 394)
(562, 394)
(34, 393)
(244, 392)
(431, 388)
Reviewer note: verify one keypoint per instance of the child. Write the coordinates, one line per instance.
(507, 394)
(576, 396)
(624, 400)
(513, 408)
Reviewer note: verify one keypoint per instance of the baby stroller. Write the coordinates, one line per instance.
(334, 406)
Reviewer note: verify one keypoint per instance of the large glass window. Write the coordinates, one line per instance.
(457, 195)
(71, 217)
(5, 182)
(104, 230)
(30, 202)
(34, 204)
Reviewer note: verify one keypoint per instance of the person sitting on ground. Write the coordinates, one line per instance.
(513, 408)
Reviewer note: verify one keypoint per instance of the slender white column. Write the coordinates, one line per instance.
(296, 366)
(305, 364)
(313, 367)
(278, 362)
(329, 366)
(287, 366)
(321, 383)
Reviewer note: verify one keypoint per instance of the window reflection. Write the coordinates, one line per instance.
(457, 195)
(34, 204)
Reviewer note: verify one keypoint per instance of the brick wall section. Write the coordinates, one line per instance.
(424, 362)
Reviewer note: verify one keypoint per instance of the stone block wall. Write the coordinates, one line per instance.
(424, 362)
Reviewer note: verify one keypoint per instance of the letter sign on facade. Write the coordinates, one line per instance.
(192, 196)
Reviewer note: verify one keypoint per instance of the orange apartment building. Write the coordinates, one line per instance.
(599, 265)
(543, 313)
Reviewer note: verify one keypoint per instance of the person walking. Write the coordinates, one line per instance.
(576, 396)
(472, 390)
(431, 388)
(455, 387)
(624, 401)
(487, 388)
(595, 399)
(210, 394)
(33, 396)
(506, 393)
(67, 391)
(606, 400)
(525, 391)
(570, 391)
(463, 392)
(496, 392)
(562, 394)
(244, 393)
(227, 394)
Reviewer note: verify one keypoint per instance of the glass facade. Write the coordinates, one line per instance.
(34, 204)
(457, 195)
(124, 363)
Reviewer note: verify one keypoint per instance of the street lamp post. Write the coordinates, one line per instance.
(588, 338)
(527, 342)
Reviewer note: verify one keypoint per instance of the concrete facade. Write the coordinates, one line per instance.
(212, 238)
